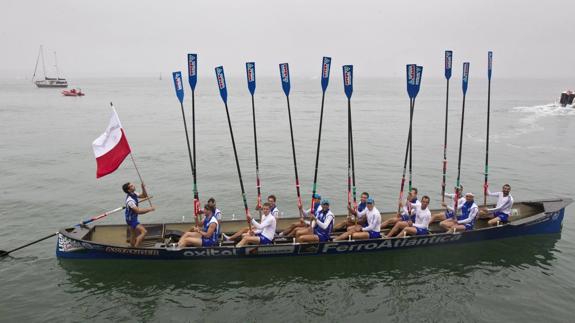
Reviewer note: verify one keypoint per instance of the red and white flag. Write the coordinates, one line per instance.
(111, 148)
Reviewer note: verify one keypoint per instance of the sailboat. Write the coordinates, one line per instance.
(48, 82)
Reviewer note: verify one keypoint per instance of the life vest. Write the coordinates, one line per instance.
(129, 213)
(323, 234)
(465, 211)
(207, 221)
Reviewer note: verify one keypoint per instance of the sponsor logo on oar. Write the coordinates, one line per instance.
(411, 71)
(192, 70)
(465, 79)
(251, 75)
(222, 83)
(348, 80)
(325, 72)
(418, 73)
(284, 74)
(489, 63)
(448, 63)
(178, 85)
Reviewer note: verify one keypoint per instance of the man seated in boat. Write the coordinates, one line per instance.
(205, 236)
(418, 213)
(302, 223)
(137, 230)
(273, 211)
(356, 218)
(369, 231)
(403, 216)
(465, 219)
(422, 220)
(502, 210)
(262, 233)
(322, 225)
(443, 215)
(217, 214)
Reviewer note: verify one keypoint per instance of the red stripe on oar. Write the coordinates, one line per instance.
(111, 160)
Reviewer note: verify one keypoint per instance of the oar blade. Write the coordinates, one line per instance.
(348, 80)
(325, 68)
(411, 75)
(221, 78)
(251, 76)
(284, 75)
(465, 78)
(418, 75)
(193, 70)
(448, 63)
(489, 64)
(179, 87)
(3, 253)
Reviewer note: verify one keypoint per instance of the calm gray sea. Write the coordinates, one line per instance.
(47, 176)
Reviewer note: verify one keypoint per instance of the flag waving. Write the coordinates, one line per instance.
(111, 148)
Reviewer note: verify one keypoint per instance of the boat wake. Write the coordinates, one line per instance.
(546, 110)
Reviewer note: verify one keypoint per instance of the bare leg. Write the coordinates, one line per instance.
(437, 217)
(290, 230)
(493, 222)
(248, 240)
(238, 234)
(396, 228)
(447, 224)
(389, 222)
(190, 241)
(410, 231)
(302, 231)
(308, 238)
(132, 236)
(360, 235)
(141, 234)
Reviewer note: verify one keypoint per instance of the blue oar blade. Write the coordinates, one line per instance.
(325, 67)
(418, 74)
(193, 70)
(221, 78)
(411, 73)
(178, 85)
(489, 64)
(284, 75)
(465, 79)
(448, 63)
(348, 80)
(251, 76)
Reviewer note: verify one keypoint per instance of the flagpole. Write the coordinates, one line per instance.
(135, 166)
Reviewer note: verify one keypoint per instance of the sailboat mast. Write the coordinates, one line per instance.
(56, 66)
(43, 62)
(37, 60)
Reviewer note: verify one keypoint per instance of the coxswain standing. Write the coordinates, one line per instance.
(322, 225)
(371, 230)
(137, 230)
(465, 220)
(502, 210)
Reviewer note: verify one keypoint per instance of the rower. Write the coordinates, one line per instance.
(137, 230)
(351, 222)
(302, 223)
(322, 225)
(205, 237)
(502, 210)
(273, 211)
(262, 233)
(465, 220)
(371, 230)
(217, 214)
(447, 214)
(411, 203)
(422, 217)
(409, 216)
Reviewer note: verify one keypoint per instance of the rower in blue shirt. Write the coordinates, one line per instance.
(355, 219)
(465, 220)
(207, 236)
(303, 223)
(322, 225)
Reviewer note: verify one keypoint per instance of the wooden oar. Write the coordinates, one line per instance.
(177, 76)
(251, 77)
(221, 78)
(325, 69)
(285, 79)
(348, 88)
(448, 65)
(95, 218)
(489, 67)
(192, 79)
(414, 74)
(465, 81)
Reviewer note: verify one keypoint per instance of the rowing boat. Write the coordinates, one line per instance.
(111, 241)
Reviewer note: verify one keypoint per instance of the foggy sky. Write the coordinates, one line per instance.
(146, 38)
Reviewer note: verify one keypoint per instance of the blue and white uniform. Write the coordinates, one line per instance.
(503, 207)
(461, 200)
(469, 211)
(361, 212)
(407, 214)
(422, 218)
(275, 212)
(218, 216)
(131, 216)
(266, 229)
(306, 213)
(213, 239)
(323, 225)
(373, 223)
